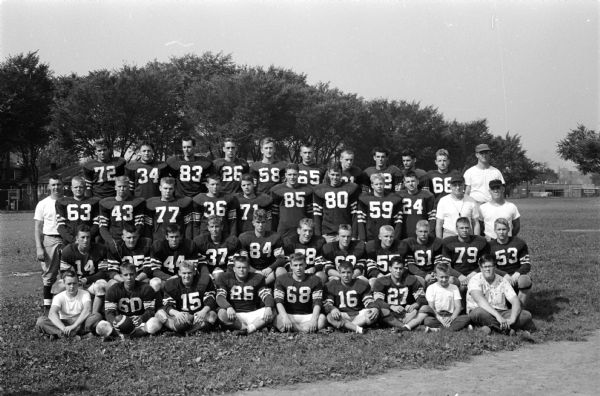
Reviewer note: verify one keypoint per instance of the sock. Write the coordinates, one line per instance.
(47, 293)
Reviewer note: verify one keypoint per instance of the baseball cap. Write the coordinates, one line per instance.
(457, 179)
(495, 183)
(482, 147)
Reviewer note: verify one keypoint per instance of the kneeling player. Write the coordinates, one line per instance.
(189, 300)
(349, 301)
(400, 297)
(298, 297)
(444, 302)
(239, 296)
(129, 307)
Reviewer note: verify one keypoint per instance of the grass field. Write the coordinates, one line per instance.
(564, 240)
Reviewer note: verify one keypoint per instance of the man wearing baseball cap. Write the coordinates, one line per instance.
(453, 206)
(498, 208)
(477, 177)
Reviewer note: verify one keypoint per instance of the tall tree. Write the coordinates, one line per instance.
(582, 146)
(26, 94)
(510, 158)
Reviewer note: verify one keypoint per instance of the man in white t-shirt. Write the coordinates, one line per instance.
(499, 208)
(487, 297)
(444, 301)
(48, 241)
(70, 313)
(453, 206)
(477, 177)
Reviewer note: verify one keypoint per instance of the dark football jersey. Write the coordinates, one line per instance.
(355, 175)
(100, 176)
(392, 176)
(70, 213)
(333, 206)
(406, 292)
(298, 297)
(224, 205)
(348, 298)
(267, 175)
(378, 257)
(262, 251)
(231, 173)
(439, 183)
(114, 214)
(244, 296)
(313, 250)
(419, 206)
(91, 265)
(464, 256)
(191, 299)
(140, 301)
(159, 214)
(190, 175)
(216, 254)
(310, 174)
(511, 257)
(422, 258)
(139, 255)
(374, 212)
(290, 205)
(355, 254)
(168, 260)
(247, 208)
(144, 178)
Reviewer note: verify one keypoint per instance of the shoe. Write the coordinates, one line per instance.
(242, 332)
(485, 330)
(470, 328)
(512, 333)
(427, 329)
(526, 336)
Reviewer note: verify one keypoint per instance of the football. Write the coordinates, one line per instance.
(124, 324)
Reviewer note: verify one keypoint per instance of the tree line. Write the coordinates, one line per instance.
(55, 119)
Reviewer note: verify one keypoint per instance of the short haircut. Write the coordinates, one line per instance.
(292, 167)
(347, 152)
(188, 138)
(100, 143)
(247, 177)
(503, 221)
(306, 222)
(79, 179)
(410, 174)
(213, 176)
(380, 150)
(345, 264)
(344, 227)
(122, 179)
(241, 259)
(229, 139)
(168, 180)
(83, 228)
(387, 228)
(266, 140)
(146, 143)
(334, 166)
(395, 260)
(131, 228)
(463, 220)
(214, 219)
(297, 256)
(54, 176)
(260, 215)
(422, 223)
(172, 229)
(69, 273)
(306, 145)
(442, 267)
(127, 265)
(377, 177)
(487, 258)
(442, 152)
(188, 264)
(408, 153)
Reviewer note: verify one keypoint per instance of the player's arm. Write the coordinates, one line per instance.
(104, 225)
(233, 206)
(361, 220)
(516, 226)
(61, 216)
(431, 211)
(39, 237)
(515, 309)
(439, 227)
(525, 261)
(89, 177)
(317, 213)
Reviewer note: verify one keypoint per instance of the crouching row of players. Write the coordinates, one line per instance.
(239, 300)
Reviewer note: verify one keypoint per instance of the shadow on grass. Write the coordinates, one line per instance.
(545, 304)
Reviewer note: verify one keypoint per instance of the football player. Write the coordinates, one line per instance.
(119, 210)
(76, 210)
(334, 203)
(230, 168)
(263, 248)
(190, 169)
(291, 203)
(350, 172)
(100, 173)
(349, 302)
(189, 301)
(267, 172)
(377, 209)
(168, 254)
(249, 201)
(455, 205)
(512, 257)
(409, 160)
(380, 251)
(438, 181)
(309, 172)
(166, 210)
(129, 308)
(423, 253)
(145, 174)
(240, 295)
(215, 203)
(298, 299)
(391, 173)
(310, 245)
(417, 204)
(71, 311)
(131, 248)
(499, 208)
(400, 297)
(215, 248)
(344, 249)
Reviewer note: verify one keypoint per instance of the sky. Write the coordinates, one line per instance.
(527, 67)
